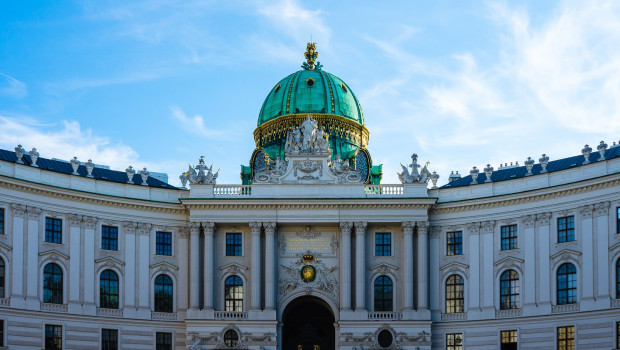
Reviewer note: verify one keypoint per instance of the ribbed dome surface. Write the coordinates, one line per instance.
(311, 91)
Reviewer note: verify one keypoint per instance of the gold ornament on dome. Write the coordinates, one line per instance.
(311, 54)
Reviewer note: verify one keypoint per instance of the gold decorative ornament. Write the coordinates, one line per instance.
(308, 273)
(311, 54)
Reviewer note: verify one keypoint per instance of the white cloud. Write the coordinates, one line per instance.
(12, 87)
(195, 124)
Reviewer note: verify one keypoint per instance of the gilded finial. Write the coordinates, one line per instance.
(311, 55)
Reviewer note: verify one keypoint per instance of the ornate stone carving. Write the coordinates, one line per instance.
(144, 228)
(422, 338)
(233, 269)
(75, 164)
(602, 208)
(435, 232)
(208, 226)
(255, 227)
(586, 154)
(488, 171)
(528, 220)
(308, 233)
(543, 218)
(144, 174)
(334, 244)
(270, 227)
(361, 225)
(130, 173)
(89, 168)
(473, 228)
(18, 210)
(130, 227)
(529, 164)
(34, 213)
(194, 228)
(544, 160)
(266, 337)
(415, 176)
(89, 222)
(345, 226)
(307, 167)
(408, 227)
(182, 231)
(201, 174)
(308, 138)
(422, 227)
(325, 277)
(19, 152)
(75, 220)
(34, 156)
(488, 226)
(474, 175)
(601, 150)
(586, 211)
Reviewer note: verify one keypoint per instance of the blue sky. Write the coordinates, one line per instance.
(157, 84)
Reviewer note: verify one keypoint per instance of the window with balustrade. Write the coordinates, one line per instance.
(567, 284)
(509, 290)
(233, 294)
(383, 295)
(163, 294)
(108, 290)
(52, 284)
(455, 294)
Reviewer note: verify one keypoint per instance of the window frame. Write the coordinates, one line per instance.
(228, 340)
(618, 278)
(454, 243)
(384, 301)
(106, 241)
(53, 230)
(45, 336)
(3, 279)
(237, 302)
(116, 344)
(381, 247)
(164, 336)
(511, 240)
(510, 344)
(454, 346)
(166, 245)
(2, 332)
(459, 302)
(160, 299)
(565, 346)
(570, 299)
(232, 246)
(618, 334)
(618, 220)
(54, 290)
(109, 304)
(566, 229)
(512, 299)
(2, 221)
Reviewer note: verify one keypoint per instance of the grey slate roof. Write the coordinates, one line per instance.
(519, 172)
(98, 173)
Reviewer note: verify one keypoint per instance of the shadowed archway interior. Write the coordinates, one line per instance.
(308, 322)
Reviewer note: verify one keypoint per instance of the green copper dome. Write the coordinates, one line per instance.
(309, 92)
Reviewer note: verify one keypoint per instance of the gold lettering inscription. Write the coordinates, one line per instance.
(303, 244)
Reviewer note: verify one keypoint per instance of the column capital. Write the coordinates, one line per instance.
(408, 227)
(144, 228)
(208, 226)
(255, 227)
(488, 226)
(422, 227)
(435, 231)
(182, 231)
(270, 227)
(586, 211)
(528, 220)
(360, 225)
(543, 219)
(90, 222)
(345, 226)
(473, 228)
(194, 228)
(130, 226)
(18, 210)
(601, 209)
(33, 213)
(75, 220)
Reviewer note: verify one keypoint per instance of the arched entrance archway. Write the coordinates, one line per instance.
(308, 321)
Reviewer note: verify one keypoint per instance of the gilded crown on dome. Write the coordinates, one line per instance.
(311, 55)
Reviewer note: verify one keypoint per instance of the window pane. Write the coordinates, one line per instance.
(233, 244)
(163, 341)
(1, 221)
(53, 337)
(163, 294)
(109, 237)
(109, 339)
(53, 230)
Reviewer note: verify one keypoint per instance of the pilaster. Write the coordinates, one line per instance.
(255, 228)
(89, 264)
(588, 272)
(544, 274)
(75, 265)
(129, 229)
(32, 260)
(345, 264)
(528, 289)
(422, 265)
(183, 251)
(473, 234)
(408, 265)
(144, 280)
(434, 257)
(601, 213)
(360, 265)
(208, 228)
(194, 265)
(270, 263)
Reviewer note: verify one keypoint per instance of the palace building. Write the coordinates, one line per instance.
(311, 251)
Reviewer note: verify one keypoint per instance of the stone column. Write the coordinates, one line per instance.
(408, 265)
(129, 229)
(183, 251)
(588, 253)
(488, 280)
(360, 265)
(208, 265)
(256, 268)
(529, 287)
(473, 292)
(32, 261)
(270, 262)
(144, 278)
(544, 277)
(601, 212)
(17, 276)
(75, 262)
(345, 265)
(194, 266)
(434, 258)
(422, 265)
(90, 223)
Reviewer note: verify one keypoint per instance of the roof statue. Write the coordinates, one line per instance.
(203, 176)
(308, 138)
(414, 176)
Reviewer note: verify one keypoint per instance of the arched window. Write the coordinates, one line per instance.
(383, 294)
(618, 279)
(233, 294)
(52, 284)
(108, 290)
(163, 293)
(509, 290)
(455, 296)
(567, 284)
(2, 279)
(231, 338)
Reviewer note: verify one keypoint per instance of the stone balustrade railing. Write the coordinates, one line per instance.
(384, 190)
(615, 303)
(230, 315)
(558, 309)
(508, 313)
(385, 315)
(4, 302)
(109, 312)
(232, 190)
(168, 316)
(460, 316)
(54, 307)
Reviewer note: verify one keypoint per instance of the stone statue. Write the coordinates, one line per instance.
(415, 176)
(308, 138)
(204, 175)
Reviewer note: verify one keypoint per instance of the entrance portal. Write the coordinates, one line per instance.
(308, 324)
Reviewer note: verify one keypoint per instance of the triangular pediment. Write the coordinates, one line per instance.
(455, 264)
(233, 266)
(53, 252)
(164, 264)
(109, 259)
(384, 266)
(568, 252)
(5, 247)
(509, 259)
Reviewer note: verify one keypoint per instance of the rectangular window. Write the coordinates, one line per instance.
(508, 340)
(454, 243)
(566, 338)
(509, 237)
(618, 335)
(1, 332)
(566, 229)
(233, 244)
(109, 237)
(109, 339)
(618, 220)
(454, 341)
(164, 341)
(53, 230)
(1, 221)
(53, 337)
(163, 243)
(383, 244)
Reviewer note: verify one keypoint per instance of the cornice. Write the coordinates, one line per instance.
(522, 197)
(90, 198)
(316, 206)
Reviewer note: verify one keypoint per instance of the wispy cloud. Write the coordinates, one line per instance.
(195, 124)
(12, 87)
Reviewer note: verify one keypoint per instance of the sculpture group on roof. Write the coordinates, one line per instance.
(415, 175)
(307, 138)
(201, 174)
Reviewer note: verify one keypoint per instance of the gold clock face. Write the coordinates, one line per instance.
(308, 273)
